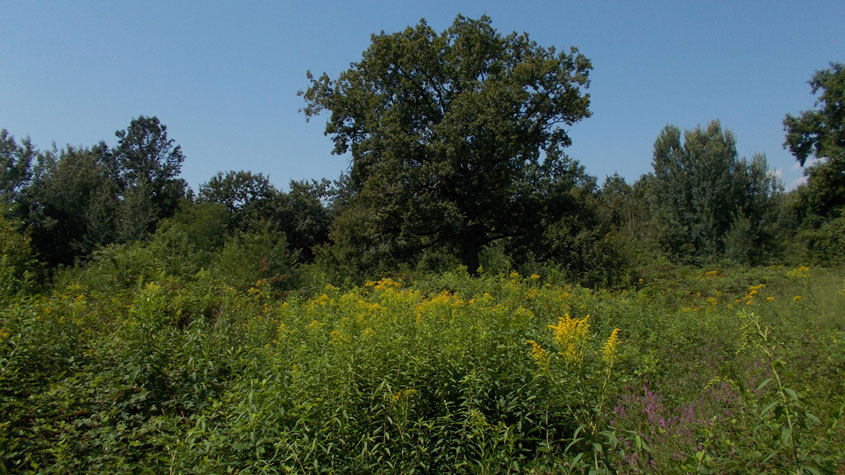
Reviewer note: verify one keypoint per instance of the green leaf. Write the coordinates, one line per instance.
(769, 457)
(763, 384)
(767, 409)
(785, 435)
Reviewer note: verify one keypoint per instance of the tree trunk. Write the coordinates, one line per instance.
(470, 247)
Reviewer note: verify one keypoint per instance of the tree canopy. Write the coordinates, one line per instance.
(149, 164)
(703, 196)
(455, 135)
(820, 133)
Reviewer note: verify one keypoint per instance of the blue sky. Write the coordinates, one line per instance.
(223, 76)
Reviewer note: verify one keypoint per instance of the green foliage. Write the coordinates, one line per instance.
(825, 244)
(253, 204)
(302, 215)
(71, 204)
(183, 372)
(208, 338)
(205, 224)
(149, 166)
(15, 167)
(821, 133)
(17, 266)
(248, 257)
(455, 137)
(708, 203)
(78, 199)
(246, 196)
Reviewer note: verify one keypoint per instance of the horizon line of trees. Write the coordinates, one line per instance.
(457, 158)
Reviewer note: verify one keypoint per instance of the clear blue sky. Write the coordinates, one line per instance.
(223, 76)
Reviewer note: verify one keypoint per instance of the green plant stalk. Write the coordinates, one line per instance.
(767, 350)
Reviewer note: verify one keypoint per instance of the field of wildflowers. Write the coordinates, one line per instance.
(715, 371)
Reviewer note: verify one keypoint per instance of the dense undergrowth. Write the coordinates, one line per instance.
(166, 367)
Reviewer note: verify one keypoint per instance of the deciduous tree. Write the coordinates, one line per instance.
(453, 135)
(820, 133)
(149, 165)
(701, 192)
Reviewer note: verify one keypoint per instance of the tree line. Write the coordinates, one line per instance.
(458, 142)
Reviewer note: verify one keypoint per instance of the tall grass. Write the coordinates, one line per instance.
(704, 370)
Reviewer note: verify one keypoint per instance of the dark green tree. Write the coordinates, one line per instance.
(254, 204)
(237, 190)
(303, 216)
(452, 135)
(820, 133)
(71, 204)
(701, 193)
(246, 196)
(15, 167)
(149, 165)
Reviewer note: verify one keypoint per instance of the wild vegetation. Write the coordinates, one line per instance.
(466, 299)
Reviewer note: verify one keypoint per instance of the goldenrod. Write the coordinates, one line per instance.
(610, 346)
(570, 334)
(542, 357)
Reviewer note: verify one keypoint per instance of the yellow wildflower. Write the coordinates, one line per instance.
(802, 272)
(337, 338)
(770, 298)
(404, 393)
(796, 298)
(514, 275)
(384, 284)
(535, 277)
(570, 334)
(610, 346)
(542, 357)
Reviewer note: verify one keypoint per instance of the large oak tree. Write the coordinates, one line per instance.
(820, 133)
(456, 137)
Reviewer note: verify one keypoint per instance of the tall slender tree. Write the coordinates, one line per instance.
(701, 191)
(149, 165)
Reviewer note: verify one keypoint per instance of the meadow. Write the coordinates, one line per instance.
(125, 367)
